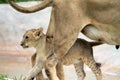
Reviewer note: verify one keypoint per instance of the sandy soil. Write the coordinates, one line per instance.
(13, 68)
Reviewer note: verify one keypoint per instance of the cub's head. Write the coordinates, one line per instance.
(32, 37)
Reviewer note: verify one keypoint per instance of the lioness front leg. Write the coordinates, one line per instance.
(51, 63)
(59, 72)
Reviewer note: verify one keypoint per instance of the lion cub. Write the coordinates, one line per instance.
(37, 39)
(81, 52)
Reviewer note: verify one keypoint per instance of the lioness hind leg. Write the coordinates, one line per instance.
(96, 70)
(79, 67)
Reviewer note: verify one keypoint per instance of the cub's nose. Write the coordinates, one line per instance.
(22, 44)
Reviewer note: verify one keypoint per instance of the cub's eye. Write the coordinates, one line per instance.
(26, 37)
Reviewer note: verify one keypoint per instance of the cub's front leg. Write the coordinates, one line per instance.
(38, 66)
(40, 75)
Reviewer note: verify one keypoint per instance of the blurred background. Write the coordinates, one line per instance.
(15, 61)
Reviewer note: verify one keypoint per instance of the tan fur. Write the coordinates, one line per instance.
(70, 17)
(36, 38)
(98, 19)
(81, 52)
(39, 75)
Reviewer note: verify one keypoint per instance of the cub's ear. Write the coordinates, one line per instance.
(38, 33)
(41, 29)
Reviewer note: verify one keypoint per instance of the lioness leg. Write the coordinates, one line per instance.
(39, 75)
(51, 67)
(92, 64)
(79, 67)
(59, 72)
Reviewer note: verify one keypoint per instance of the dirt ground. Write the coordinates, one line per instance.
(18, 68)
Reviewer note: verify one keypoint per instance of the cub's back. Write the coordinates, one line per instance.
(81, 47)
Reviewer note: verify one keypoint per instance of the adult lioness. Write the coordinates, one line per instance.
(81, 52)
(101, 16)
